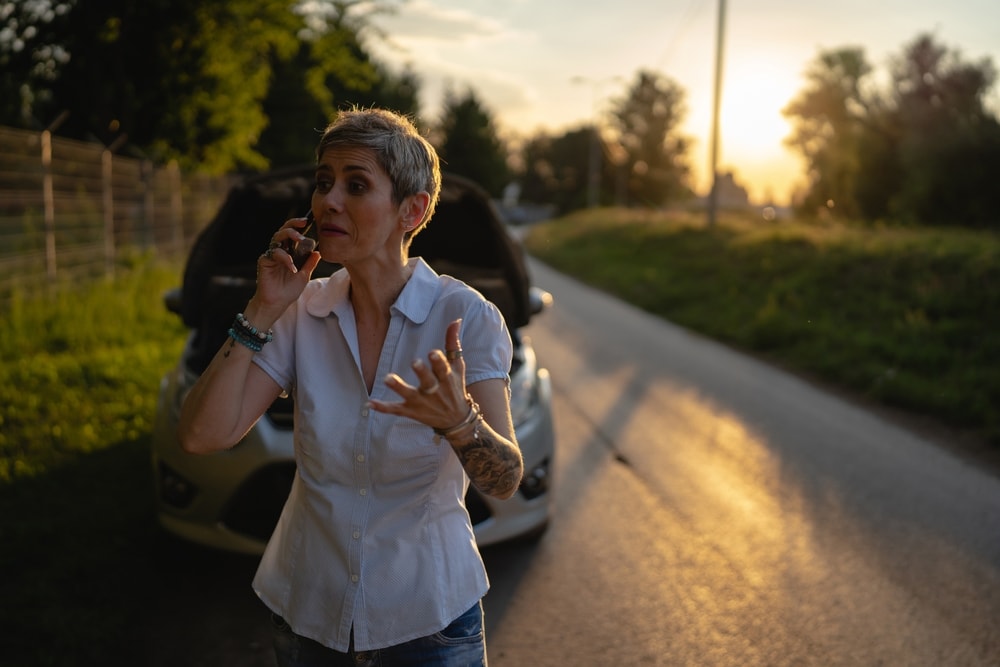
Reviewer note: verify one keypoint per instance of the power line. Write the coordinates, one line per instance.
(691, 11)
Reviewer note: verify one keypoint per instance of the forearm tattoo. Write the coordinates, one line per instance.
(493, 465)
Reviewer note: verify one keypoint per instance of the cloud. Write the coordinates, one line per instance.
(452, 47)
(422, 21)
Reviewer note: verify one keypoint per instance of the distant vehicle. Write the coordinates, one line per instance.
(232, 500)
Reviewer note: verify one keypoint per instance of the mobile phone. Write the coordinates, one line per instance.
(300, 251)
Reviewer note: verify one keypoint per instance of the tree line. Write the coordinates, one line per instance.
(227, 86)
(924, 148)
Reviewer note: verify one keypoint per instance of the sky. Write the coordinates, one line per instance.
(555, 65)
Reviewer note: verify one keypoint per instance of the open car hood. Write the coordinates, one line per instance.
(466, 238)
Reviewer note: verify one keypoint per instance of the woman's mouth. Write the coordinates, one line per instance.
(332, 230)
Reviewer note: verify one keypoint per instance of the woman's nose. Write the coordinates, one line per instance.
(333, 199)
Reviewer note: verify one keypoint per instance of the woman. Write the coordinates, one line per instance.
(401, 398)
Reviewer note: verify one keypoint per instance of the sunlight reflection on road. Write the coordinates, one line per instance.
(711, 510)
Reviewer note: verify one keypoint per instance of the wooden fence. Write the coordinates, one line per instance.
(71, 211)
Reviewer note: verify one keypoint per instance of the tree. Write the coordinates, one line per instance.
(304, 97)
(180, 78)
(30, 58)
(555, 169)
(829, 118)
(469, 144)
(951, 143)
(924, 151)
(217, 115)
(648, 120)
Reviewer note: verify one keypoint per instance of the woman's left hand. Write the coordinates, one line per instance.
(439, 399)
(490, 457)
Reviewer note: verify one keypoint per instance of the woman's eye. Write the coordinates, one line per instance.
(323, 185)
(355, 187)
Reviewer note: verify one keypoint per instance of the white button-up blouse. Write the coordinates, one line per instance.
(375, 534)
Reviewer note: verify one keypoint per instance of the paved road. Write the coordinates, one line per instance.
(714, 511)
(709, 510)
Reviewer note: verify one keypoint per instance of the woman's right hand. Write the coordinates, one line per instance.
(279, 282)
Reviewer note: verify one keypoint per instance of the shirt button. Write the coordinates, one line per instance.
(361, 458)
(354, 578)
(363, 492)
(364, 413)
(357, 534)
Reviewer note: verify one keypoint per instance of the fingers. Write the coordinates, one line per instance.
(427, 379)
(311, 263)
(297, 222)
(427, 398)
(286, 238)
(427, 382)
(448, 364)
(289, 232)
(276, 255)
(294, 240)
(438, 394)
(453, 347)
(452, 340)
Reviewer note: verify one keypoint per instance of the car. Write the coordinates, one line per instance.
(231, 500)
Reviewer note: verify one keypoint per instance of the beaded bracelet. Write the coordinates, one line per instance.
(248, 335)
(251, 343)
(243, 323)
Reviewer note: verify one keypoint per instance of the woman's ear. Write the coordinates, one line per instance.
(413, 210)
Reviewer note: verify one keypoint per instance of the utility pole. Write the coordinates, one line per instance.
(713, 195)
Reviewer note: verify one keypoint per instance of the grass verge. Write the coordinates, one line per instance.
(907, 317)
(78, 386)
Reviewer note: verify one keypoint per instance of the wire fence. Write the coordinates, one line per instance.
(73, 211)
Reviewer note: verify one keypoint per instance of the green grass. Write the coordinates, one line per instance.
(78, 384)
(80, 368)
(908, 317)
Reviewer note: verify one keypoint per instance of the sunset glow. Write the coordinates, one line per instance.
(525, 62)
(753, 129)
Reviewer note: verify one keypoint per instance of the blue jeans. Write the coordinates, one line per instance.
(461, 644)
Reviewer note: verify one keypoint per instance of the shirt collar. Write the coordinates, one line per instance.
(414, 302)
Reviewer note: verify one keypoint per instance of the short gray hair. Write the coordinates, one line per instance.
(408, 158)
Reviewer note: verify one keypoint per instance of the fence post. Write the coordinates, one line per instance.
(108, 201)
(48, 201)
(148, 206)
(176, 206)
